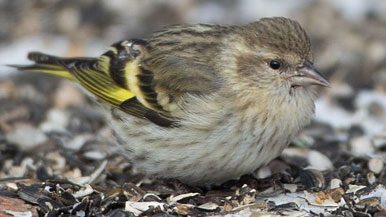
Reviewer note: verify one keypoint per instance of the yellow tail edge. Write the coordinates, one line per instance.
(49, 69)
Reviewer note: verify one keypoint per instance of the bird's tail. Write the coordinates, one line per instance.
(46, 64)
(90, 73)
(96, 75)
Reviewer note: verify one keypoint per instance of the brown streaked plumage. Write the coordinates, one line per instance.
(201, 103)
(283, 36)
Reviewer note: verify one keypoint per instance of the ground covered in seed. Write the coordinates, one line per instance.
(58, 157)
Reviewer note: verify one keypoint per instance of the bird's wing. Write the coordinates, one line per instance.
(103, 77)
(160, 78)
(177, 62)
(142, 80)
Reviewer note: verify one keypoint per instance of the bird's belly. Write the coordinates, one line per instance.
(197, 156)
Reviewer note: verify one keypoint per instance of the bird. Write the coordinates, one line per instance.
(201, 103)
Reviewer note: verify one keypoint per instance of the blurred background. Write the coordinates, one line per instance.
(348, 36)
(348, 39)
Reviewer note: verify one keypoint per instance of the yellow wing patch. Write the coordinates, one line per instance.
(133, 71)
(102, 86)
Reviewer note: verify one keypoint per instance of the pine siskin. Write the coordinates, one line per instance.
(201, 103)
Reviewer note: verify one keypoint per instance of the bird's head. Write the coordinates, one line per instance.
(276, 53)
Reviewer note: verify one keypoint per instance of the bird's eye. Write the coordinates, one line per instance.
(275, 64)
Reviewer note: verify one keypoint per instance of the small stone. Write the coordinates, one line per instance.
(73, 174)
(148, 197)
(57, 161)
(349, 180)
(248, 199)
(12, 186)
(210, 206)
(354, 188)
(336, 194)
(320, 197)
(371, 178)
(312, 179)
(361, 146)
(173, 199)
(278, 166)
(26, 137)
(295, 156)
(78, 141)
(182, 209)
(290, 187)
(67, 95)
(335, 183)
(86, 190)
(56, 120)
(264, 172)
(95, 155)
(344, 171)
(319, 161)
(139, 207)
(228, 206)
(375, 165)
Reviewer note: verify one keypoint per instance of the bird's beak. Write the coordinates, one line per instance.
(306, 75)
